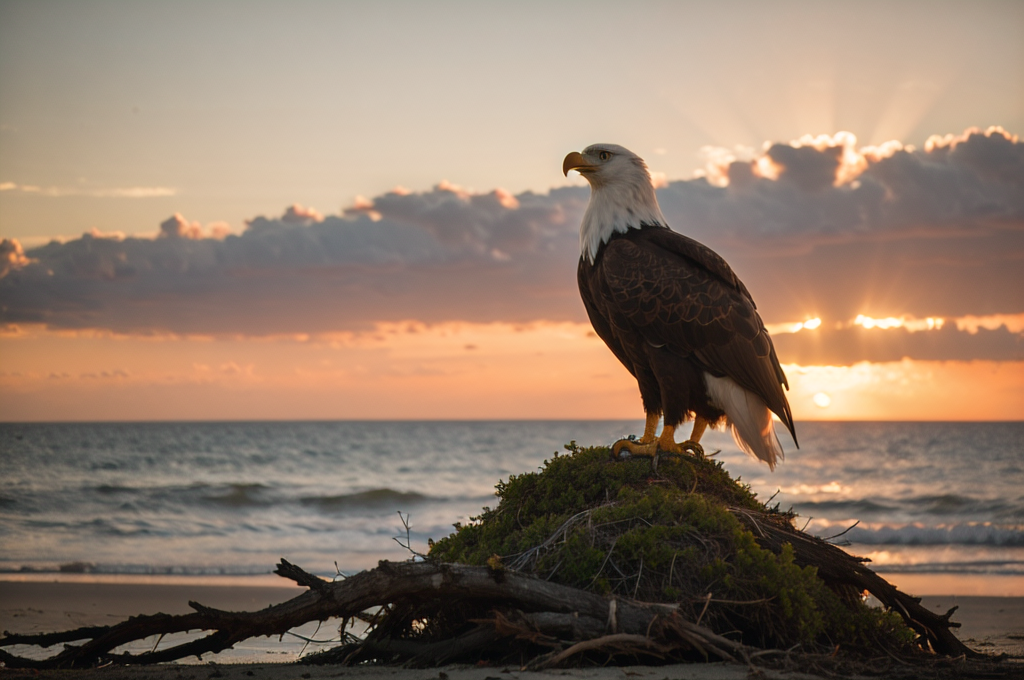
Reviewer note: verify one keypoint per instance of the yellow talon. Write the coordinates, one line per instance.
(645, 446)
(649, 447)
(693, 448)
(635, 448)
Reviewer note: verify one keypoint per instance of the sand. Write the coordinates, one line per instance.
(990, 624)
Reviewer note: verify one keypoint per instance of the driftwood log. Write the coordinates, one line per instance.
(565, 619)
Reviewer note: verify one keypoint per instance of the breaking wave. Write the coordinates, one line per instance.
(968, 533)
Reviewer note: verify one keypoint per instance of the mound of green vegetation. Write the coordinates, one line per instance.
(677, 536)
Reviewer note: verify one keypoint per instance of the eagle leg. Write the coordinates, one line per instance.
(649, 428)
(667, 440)
(645, 446)
(667, 443)
(692, 445)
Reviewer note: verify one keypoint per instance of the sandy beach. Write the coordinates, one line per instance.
(990, 624)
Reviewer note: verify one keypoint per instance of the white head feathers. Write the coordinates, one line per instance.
(622, 196)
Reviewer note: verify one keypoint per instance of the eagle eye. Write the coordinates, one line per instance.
(604, 155)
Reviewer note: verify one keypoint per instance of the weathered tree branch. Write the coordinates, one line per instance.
(422, 582)
(838, 569)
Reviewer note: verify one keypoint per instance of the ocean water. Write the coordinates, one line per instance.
(232, 498)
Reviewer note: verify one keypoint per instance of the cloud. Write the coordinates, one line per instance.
(297, 214)
(115, 192)
(12, 256)
(837, 347)
(114, 374)
(816, 227)
(823, 190)
(177, 226)
(433, 256)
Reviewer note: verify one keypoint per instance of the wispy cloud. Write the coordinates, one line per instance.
(116, 192)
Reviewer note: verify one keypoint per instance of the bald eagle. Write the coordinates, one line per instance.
(675, 314)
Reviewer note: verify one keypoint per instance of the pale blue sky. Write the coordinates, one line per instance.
(239, 109)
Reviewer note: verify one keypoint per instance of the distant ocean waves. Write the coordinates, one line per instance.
(223, 529)
(968, 533)
(929, 520)
(946, 548)
(924, 506)
(233, 498)
(258, 496)
(947, 534)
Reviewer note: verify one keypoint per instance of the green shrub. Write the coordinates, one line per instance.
(619, 528)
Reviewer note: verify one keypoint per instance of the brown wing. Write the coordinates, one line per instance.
(602, 325)
(681, 294)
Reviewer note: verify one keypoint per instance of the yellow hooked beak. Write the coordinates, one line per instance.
(575, 161)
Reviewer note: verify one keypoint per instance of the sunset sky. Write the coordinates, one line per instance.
(246, 210)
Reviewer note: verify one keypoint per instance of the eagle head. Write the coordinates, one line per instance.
(622, 196)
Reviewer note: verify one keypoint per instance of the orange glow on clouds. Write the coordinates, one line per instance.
(912, 325)
(1013, 322)
(413, 370)
(970, 323)
(794, 327)
(853, 160)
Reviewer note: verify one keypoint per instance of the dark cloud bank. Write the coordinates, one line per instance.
(933, 232)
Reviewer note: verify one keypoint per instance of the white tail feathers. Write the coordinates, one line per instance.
(748, 417)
